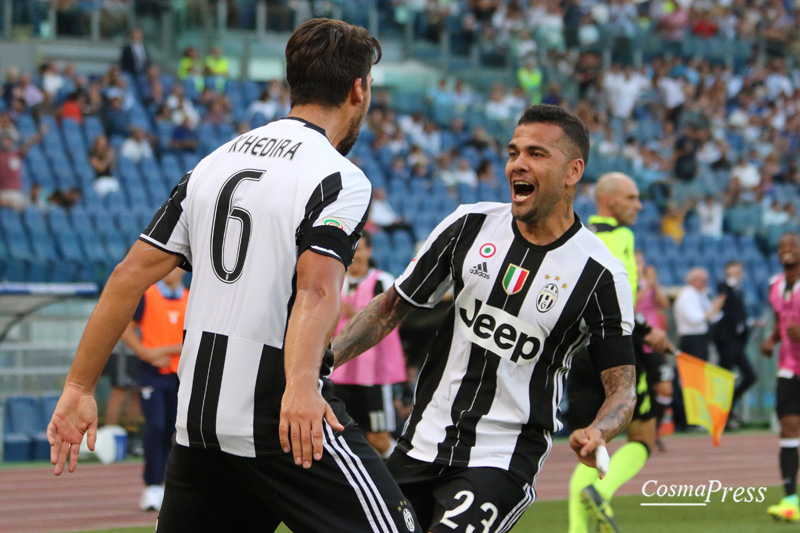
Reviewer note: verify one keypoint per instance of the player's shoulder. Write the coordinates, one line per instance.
(775, 279)
(493, 209)
(594, 247)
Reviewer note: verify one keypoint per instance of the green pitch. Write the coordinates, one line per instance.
(551, 516)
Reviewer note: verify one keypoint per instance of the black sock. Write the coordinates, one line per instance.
(789, 465)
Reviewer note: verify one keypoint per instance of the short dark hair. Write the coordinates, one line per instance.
(323, 59)
(573, 128)
(732, 262)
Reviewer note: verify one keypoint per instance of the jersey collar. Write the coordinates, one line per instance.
(308, 124)
(567, 235)
(597, 219)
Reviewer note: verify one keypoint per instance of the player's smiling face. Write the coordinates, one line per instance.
(539, 168)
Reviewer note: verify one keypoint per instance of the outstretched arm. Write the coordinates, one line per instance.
(370, 325)
(76, 412)
(614, 415)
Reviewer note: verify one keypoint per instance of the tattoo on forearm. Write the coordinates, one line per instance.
(370, 325)
(616, 412)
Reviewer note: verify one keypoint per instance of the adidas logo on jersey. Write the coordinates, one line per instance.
(481, 269)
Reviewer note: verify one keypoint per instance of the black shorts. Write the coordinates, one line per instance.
(461, 499)
(371, 406)
(349, 489)
(787, 396)
(585, 393)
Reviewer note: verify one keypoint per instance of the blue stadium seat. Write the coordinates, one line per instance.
(24, 423)
(92, 128)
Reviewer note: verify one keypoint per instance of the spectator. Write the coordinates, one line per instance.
(265, 105)
(92, 105)
(190, 68)
(530, 79)
(497, 107)
(694, 312)
(486, 174)
(137, 146)
(7, 128)
(9, 83)
(623, 92)
(672, 222)
(747, 174)
(710, 214)
(383, 215)
(72, 108)
(52, 81)
(134, 58)
(775, 215)
(184, 137)
(30, 93)
(11, 194)
(216, 66)
(464, 174)
(116, 120)
(182, 107)
(731, 332)
(102, 158)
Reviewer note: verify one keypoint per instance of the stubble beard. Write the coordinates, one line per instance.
(346, 144)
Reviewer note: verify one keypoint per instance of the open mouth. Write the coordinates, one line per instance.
(522, 190)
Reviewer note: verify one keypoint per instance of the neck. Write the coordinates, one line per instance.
(358, 272)
(604, 212)
(792, 273)
(548, 230)
(334, 120)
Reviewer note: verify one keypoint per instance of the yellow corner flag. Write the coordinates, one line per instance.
(707, 393)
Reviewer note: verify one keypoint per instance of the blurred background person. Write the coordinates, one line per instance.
(159, 319)
(365, 383)
(730, 335)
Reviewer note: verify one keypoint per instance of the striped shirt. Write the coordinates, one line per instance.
(240, 220)
(489, 389)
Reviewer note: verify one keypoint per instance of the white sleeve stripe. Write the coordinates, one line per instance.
(324, 250)
(408, 299)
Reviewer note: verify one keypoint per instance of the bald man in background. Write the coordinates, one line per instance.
(618, 206)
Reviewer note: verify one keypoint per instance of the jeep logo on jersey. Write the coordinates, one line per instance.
(332, 222)
(514, 279)
(499, 332)
(547, 298)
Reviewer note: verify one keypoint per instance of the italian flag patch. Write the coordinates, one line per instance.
(332, 222)
(514, 279)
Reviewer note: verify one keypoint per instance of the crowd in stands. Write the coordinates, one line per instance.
(712, 142)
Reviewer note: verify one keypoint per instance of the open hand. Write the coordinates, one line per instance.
(75, 415)
(302, 413)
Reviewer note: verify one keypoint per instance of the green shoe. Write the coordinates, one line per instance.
(786, 511)
(599, 509)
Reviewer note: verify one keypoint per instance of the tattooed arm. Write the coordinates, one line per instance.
(370, 326)
(614, 415)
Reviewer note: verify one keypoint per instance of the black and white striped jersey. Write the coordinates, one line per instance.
(489, 389)
(241, 219)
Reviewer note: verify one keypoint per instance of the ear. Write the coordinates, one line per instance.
(574, 172)
(357, 92)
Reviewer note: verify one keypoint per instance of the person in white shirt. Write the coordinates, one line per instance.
(710, 213)
(694, 311)
(383, 215)
(136, 147)
(747, 173)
